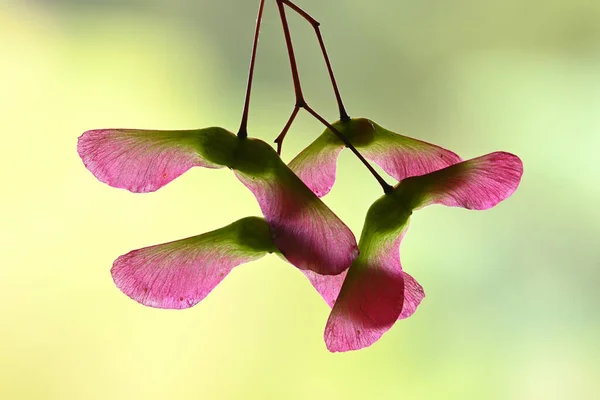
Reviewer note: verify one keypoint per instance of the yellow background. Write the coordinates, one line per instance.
(512, 293)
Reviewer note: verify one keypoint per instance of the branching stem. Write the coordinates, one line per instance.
(316, 26)
(301, 103)
(286, 128)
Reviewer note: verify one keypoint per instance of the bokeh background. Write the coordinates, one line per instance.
(512, 293)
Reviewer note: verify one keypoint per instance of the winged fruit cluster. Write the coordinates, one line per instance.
(364, 283)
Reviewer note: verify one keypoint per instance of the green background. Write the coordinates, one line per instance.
(512, 293)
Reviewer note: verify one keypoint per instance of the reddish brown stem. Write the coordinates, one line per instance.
(286, 128)
(316, 25)
(290, 48)
(243, 131)
(301, 103)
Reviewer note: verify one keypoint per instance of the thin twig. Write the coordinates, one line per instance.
(316, 25)
(301, 103)
(290, 48)
(243, 131)
(286, 128)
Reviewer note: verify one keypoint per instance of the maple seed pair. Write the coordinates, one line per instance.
(375, 292)
(301, 225)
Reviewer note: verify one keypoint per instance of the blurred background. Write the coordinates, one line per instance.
(512, 293)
